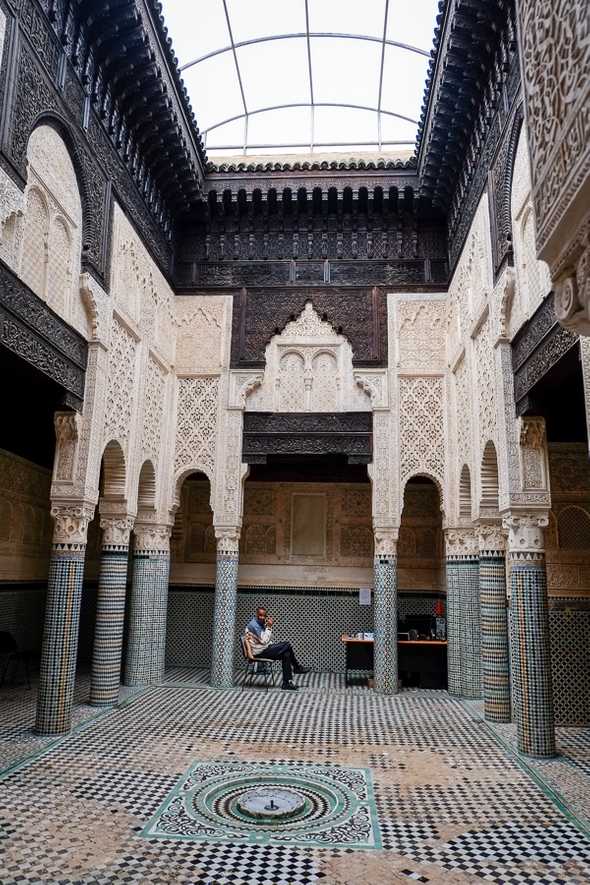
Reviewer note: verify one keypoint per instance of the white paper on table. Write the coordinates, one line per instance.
(364, 596)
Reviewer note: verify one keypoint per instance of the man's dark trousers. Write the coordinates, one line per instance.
(283, 652)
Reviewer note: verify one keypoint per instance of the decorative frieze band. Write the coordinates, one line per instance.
(71, 521)
(116, 531)
(461, 544)
(151, 538)
(525, 534)
(228, 541)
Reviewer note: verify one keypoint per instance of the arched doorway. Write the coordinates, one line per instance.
(421, 587)
(192, 581)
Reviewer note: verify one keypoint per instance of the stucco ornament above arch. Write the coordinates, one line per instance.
(308, 369)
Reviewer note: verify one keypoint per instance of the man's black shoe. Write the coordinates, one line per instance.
(289, 686)
(300, 670)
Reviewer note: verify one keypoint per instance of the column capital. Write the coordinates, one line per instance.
(461, 543)
(116, 529)
(492, 539)
(71, 520)
(151, 537)
(228, 540)
(385, 538)
(525, 533)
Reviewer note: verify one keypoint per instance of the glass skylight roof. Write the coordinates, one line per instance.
(293, 76)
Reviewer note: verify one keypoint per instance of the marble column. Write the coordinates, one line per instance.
(495, 648)
(62, 617)
(110, 610)
(463, 613)
(224, 616)
(529, 624)
(146, 649)
(385, 611)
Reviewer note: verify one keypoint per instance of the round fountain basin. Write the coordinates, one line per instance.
(271, 803)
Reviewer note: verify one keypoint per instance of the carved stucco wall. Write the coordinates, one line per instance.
(25, 524)
(567, 536)
(418, 370)
(307, 534)
(308, 369)
(533, 281)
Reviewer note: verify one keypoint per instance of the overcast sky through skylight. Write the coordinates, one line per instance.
(239, 95)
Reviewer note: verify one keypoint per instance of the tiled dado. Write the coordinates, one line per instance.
(22, 612)
(569, 634)
(312, 619)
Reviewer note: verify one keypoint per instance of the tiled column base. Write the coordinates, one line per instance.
(453, 628)
(531, 658)
(463, 613)
(60, 640)
(224, 616)
(110, 620)
(147, 614)
(385, 611)
(494, 636)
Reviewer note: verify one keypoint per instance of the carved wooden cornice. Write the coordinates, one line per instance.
(31, 330)
(304, 433)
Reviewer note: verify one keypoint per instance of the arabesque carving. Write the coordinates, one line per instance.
(71, 520)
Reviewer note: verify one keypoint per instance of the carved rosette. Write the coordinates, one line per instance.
(492, 540)
(461, 544)
(116, 531)
(151, 538)
(385, 542)
(228, 542)
(71, 522)
(525, 535)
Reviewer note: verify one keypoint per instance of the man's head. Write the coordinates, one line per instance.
(261, 615)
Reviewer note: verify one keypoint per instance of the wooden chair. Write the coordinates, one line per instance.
(256, 665)
(10, 654)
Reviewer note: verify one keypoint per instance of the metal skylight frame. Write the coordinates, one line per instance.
(308, 35)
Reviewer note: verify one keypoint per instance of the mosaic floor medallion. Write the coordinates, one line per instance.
(254, 803)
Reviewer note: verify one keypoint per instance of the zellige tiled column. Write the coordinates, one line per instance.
(463, 613)
(385, 611)
(224, 616)
(62, 617)
(146, 649)
(110, 610)
(529, 625)
(495, 649)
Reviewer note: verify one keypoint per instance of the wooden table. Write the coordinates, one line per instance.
(426, 658)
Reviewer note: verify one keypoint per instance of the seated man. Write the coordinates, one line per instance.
(259, 636)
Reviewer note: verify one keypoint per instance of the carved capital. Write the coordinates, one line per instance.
(492, 539)
(386, 541)
(228, 541)
(152, 538)
(116, 530)
(525, 533)
(461, 542)
(532, 433)
(71, 520)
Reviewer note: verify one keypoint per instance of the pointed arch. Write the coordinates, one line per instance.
(146, 487)
(489, 500)
(114, 473)
(465, 494)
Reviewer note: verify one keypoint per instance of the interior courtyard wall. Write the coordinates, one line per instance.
(567, 540)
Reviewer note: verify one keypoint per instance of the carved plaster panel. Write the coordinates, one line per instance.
(11, 210)
(153, 410)
(196, 428)
(420, 335)
(422, 428)
(121, 384)
(201, 333)
(25, 523)
(309, 369)
(556, 60)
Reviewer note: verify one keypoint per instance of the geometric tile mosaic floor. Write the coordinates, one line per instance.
(450, 804)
